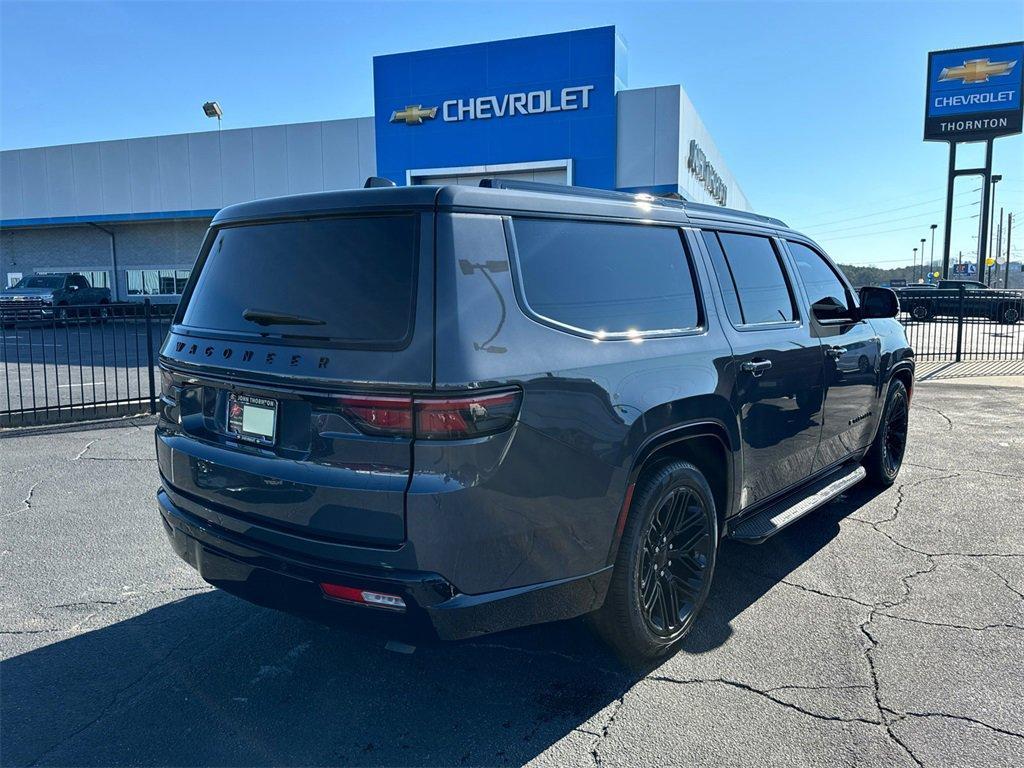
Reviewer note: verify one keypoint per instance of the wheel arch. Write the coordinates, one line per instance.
(706, 444)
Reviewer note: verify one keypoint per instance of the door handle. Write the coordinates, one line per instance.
(756, 367)
(835, 352)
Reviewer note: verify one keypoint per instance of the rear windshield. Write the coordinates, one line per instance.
(346, 280)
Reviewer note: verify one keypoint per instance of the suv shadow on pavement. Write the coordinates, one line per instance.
(210, 679)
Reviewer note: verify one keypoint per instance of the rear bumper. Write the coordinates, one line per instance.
(434, 607)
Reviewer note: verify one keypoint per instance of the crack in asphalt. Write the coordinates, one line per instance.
(767, 694)
(113, 701)
(964, 469)
(150, 672)
(26, 502)
(82, 452)
(617, 705)
(949, 421)
(964, 718)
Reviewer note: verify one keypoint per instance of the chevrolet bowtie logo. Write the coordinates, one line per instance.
(976, 71)
(414, 115)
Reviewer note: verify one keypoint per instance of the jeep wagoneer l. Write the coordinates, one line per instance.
(465, 409)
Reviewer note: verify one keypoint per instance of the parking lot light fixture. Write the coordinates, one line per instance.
(212, 109)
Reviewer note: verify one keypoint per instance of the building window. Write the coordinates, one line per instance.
(98, 278)
(157, 282)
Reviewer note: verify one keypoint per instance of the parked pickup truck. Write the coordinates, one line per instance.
(53, 294)
(945, 300)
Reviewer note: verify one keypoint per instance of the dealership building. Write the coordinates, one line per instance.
(130, 213)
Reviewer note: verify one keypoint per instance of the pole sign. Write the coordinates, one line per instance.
(974, 94)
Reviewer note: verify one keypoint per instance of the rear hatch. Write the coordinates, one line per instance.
(289, 335)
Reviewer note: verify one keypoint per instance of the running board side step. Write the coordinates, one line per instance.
(775, 517)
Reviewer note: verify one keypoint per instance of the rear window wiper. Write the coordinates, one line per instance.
(263, 317)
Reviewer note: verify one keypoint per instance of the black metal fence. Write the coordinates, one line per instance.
(74, 363)
(81, 362)
(961, 324)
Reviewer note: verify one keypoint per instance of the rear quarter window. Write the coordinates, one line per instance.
(606, 280)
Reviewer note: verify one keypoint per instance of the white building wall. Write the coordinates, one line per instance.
(184, 172)
(655, 127)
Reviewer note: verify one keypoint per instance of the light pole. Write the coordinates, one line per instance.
(212, 109)
(921, 274)
(913, 269)
(931, 259)
(996, 178)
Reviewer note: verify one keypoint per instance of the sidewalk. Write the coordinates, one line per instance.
(993, 373)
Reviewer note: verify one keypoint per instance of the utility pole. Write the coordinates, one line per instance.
(1009, 231)
(999, 246)
(931, 259)
(996, 178)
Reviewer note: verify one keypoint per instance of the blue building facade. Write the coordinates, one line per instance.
(540, 99)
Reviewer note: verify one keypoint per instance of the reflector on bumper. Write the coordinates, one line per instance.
(363, 596)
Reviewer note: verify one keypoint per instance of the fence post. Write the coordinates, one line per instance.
(960, 323)
(149, 356)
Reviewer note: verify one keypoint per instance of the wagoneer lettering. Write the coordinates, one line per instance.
(338, 436)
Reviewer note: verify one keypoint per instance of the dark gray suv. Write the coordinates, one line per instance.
(464, 409)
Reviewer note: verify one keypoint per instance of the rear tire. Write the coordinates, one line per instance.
(664, 566)
(1009, 314)
(920, 312)
(885, 456)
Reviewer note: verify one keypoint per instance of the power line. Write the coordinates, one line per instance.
(888, 231)
(886, 210)
(893, 221)
(896, 198)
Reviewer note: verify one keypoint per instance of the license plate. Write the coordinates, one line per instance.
(252, 417)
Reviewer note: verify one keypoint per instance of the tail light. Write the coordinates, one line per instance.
(433, 418)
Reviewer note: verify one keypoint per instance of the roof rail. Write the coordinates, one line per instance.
(631, 197)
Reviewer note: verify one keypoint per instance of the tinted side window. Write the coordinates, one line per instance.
(825, 290)
(764, 294)
(606, 278)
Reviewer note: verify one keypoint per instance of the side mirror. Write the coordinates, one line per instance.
(878, 302)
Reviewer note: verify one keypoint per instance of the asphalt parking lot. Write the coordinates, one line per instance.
(887, 629)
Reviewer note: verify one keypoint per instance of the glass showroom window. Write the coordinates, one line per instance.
(157, 282)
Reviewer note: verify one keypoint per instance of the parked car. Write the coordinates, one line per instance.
(461, 410)
(53, 294)
(978, 300)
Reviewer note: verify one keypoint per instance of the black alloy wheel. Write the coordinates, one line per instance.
(885, 456)
(673, 562)
(1010, 315)
(920, 312)
(664, 564)
(895, 442)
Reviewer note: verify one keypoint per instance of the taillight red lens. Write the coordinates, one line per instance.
(430, 418)
(452, 418)
(379, 415)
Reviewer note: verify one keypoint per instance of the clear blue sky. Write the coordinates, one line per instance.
(817, 107)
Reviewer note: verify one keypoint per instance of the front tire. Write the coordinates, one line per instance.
(921, 313)
(1010, 314)
(664, 566)
(885, 456)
